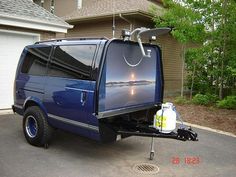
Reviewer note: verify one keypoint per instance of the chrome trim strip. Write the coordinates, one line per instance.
(75, 123)
(70, 88)
(18, 106)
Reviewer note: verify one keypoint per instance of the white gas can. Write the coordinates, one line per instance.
(165, 118)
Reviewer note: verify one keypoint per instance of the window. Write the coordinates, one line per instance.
(72, 61)
(35, 61)
(52, 6)
(79, 4)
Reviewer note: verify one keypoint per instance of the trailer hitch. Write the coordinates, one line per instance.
(186, 134)
(183, 134)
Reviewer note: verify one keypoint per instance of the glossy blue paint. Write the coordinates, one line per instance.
(63, 98)
(64, 101)
(30, 89)
(36, 100)
(159, 78)
(70, 104)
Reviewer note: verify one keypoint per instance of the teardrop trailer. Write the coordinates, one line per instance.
(99, 88)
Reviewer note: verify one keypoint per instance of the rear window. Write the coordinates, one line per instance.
(35, 62)
(72, 61)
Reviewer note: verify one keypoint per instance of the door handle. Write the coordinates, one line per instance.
(83, 97)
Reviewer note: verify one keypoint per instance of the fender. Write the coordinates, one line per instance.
(36, 101)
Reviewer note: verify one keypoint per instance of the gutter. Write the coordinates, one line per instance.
(109, 15)
(33, 24)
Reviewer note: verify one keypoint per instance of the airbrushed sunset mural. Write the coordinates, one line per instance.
(129, 78)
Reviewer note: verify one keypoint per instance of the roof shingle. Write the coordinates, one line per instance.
(28, 10)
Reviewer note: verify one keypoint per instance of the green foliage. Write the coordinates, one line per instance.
(181, 100)
(201, 99)
(207, 99)
(185, 23)
(184, 20)
(228, 103)
(212, 98)
(212, 66)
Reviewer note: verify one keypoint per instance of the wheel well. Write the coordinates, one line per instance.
(29, 104)
(33, 103)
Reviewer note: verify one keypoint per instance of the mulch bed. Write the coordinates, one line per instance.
(221, 119)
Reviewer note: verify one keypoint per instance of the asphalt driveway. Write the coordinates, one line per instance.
(72, 156)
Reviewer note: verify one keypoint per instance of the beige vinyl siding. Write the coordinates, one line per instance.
(64, 7)
(172, 64)
(171, 57)
(47, 5)
(97, 29)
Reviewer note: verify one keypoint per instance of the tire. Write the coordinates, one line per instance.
(36, 129)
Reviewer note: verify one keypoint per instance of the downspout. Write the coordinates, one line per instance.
(125, 19)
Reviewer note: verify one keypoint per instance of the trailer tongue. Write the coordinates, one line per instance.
(183, 133)
(164, 126)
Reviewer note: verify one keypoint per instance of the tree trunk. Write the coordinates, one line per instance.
(183, 69)
(223, 51)
(193, 76)
(221, 78)
(212, 51)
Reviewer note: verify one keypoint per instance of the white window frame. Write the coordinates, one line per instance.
(79, 4)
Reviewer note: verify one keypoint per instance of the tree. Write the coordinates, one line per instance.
(218, 17)
(186, 26)
(215, 60)
(194, 61)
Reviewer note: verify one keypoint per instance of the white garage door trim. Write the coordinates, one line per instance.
(11, 46)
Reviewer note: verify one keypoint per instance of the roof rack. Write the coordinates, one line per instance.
(72, 39)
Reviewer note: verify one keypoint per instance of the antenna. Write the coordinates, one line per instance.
(113, 19)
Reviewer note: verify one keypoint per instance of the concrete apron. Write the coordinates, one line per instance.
(6, 111)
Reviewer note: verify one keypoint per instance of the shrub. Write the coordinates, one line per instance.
(212, 98)
(201, 99)
(205, 99)
(227, 103)
(181, 100)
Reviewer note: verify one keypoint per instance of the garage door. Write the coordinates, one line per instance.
(11, 46)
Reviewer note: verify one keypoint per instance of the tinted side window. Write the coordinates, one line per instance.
(97, 62)
(35, 61)
(72, 61)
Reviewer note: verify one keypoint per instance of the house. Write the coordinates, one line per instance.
(22, 22)
(98, 18)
